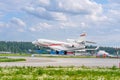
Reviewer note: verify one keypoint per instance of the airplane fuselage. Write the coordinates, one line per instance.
(57, 45)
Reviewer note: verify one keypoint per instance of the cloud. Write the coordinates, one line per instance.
(70, 24)
(14, 5)
(114, 1)
(68, 13)
(42, 2)
(67, 25)
(40, 26)
(61, 10)
(114, 16)
(2, 24)
(71, 6)
(1, 14)
(42, 13)
(15, 24)
(116, 30)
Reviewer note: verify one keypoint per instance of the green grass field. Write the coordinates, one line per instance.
(16, 54)
(5, 59)
(59, 73)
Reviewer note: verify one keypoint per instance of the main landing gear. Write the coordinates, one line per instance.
(61, 52)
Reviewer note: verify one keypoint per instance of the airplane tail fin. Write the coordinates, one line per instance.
(82, 38)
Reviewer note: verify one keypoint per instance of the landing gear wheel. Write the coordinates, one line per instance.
(65, 52)
(57, 52)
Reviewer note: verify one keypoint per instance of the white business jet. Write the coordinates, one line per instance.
(69, 45)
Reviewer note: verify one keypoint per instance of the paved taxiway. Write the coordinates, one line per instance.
(38, 61)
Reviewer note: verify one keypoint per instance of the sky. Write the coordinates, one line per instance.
(28, 20)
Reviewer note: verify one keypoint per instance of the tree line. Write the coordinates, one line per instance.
(16, 47)
(110, 50)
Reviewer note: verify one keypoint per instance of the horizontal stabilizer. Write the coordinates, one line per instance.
(92, 48)
(90, 42)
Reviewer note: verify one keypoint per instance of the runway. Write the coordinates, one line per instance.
(39, 61)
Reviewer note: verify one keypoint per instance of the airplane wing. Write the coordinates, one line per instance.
(90, 42)
(92, 48)
(84, 49)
